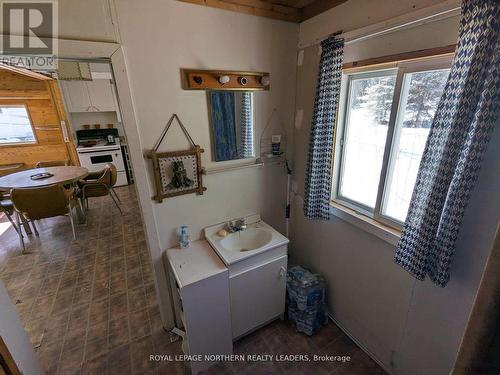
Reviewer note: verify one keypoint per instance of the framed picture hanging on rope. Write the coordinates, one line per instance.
(176, 172)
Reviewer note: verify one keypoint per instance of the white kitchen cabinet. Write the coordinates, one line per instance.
(89, 96)
(257, 295)
(101, 95)
(77, 95)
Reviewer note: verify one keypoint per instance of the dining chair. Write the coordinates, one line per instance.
(99, 184)
(6, 169)
(41, 203)
(7, 207)
(53, 163)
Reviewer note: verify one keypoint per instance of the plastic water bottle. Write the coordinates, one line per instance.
(183, 235)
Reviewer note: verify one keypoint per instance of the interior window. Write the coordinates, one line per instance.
(15, 125)
(383, 127)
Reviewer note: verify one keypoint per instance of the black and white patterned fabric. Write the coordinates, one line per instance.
(458, 139)
(318, 173)
(246, 123)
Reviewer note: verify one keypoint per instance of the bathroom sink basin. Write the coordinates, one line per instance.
(258, 237)
(247, 240)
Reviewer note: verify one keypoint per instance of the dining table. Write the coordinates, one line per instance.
(61, 175)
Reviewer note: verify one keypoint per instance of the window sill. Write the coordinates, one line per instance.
(384, 232)
(18, 144)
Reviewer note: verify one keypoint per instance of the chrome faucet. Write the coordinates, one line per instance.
(236, 226)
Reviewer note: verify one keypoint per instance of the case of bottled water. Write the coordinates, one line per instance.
(306, 300)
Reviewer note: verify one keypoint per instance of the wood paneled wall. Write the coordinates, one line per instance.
(38, 97)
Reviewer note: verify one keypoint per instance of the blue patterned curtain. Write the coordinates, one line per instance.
(246, 122)
(457, 141)
(318, 173)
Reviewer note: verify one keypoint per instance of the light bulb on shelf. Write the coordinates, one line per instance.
(264, 80)
(223, 79)
(242, 81)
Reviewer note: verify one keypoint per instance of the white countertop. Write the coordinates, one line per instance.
(195, 263)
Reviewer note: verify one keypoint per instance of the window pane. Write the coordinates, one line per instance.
(420, 96)
(368, 112)
(15, 126)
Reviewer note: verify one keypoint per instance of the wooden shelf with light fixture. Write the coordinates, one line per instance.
(193, 79)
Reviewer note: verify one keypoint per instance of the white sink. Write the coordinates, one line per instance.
(247, 240)
(257, 238)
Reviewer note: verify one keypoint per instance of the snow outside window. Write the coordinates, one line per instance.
(15, 125)
(383, 127)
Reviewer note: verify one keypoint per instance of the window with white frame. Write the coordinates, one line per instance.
(384, 120)
(15, 125)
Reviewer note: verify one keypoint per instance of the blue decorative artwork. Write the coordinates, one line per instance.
(223, 125)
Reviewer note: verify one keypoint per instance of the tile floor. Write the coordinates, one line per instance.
(281, 337)
(89, 306)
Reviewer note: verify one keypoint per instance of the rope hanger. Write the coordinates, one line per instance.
(165, 130)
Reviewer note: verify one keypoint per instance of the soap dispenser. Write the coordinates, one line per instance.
(183, 235)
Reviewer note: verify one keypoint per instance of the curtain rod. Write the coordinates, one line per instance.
(360, 34)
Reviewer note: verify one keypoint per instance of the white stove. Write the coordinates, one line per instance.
(94, 158)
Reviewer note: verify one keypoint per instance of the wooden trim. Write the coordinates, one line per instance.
(7, 363)
(24, 144)
(23, 94)
(56, 97)
(405, 56)
(25, 72)
(253, 7)
(295, 11)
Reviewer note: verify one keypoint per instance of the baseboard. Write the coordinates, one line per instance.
(361, 346)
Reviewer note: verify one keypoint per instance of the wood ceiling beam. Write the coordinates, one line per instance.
(292, 3)
(254, 7)
(284, 10)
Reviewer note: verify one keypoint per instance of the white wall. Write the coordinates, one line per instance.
(159, 38)
(411, 327)
(355, 14)
(87, 20)
(15, 337)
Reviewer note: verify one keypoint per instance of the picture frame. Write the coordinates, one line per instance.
(176, 172)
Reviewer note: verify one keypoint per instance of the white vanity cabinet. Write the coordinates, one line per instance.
(257, 294)
(199, 282)
(256, 257)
